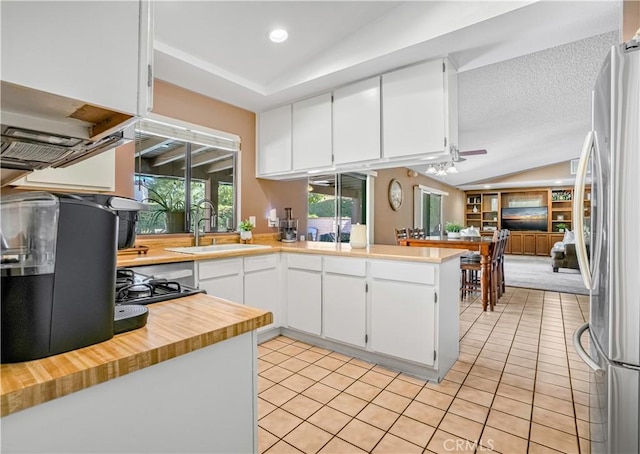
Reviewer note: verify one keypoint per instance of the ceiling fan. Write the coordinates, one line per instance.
(456, 155)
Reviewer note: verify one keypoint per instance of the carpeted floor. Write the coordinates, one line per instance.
(536, 273)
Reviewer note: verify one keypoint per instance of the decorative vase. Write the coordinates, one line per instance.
(245, 235)
(175, 221)
(453, 235)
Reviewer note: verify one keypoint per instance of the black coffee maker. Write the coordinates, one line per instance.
(58, 264)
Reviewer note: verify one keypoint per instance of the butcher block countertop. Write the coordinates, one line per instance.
(174, 328)
(157, 254)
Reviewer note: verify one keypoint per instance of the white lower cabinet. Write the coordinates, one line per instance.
(304, 292)
(403, 311)
(221, 278)
(402, 320)
(262, 286)
(344, 300)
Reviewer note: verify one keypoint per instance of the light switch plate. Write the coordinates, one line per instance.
(252, 219)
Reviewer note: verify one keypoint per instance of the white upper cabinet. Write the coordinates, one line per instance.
(415, 111)
(312, 133)
(393, 120)
(99, 53)
(97, 173)
(356, 122)
(274, 141)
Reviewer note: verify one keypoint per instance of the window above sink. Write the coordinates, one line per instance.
(179, 167)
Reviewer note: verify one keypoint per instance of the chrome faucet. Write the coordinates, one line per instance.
(198, 219)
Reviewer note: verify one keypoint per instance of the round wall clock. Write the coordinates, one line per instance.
(395, 194)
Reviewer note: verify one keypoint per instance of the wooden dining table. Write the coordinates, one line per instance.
(484, 245)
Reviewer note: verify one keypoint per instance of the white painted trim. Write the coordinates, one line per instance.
(432, 190)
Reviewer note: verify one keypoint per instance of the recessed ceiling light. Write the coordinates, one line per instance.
(278, 35)
(487, 186)
(558, 182)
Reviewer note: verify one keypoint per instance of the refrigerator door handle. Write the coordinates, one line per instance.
(581, 351)
(578, 210)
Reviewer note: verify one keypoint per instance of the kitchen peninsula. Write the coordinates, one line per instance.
(187, 381)
(390, 305)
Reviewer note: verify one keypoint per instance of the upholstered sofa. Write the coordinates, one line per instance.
(564, 256)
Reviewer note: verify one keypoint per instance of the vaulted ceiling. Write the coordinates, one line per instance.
(525, 68)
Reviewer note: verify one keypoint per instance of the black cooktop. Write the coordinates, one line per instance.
(135, 288)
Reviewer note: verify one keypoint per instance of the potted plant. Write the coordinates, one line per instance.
(169, 204)
(453, 229)
(245, 228)
(561, 226)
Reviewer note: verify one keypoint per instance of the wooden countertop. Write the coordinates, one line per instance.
(157, 254)
(174, 328)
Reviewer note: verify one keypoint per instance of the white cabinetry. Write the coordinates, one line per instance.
(415, 109)
(96, 174)
(95, 52)
(312, 133)
(344, 300)
(261, 285)
(221, 278)
(356, 122)
(274, 141)
(403, 310)
(304, 292)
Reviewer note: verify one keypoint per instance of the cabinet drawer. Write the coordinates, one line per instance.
(304, 262)
(217, 268)
(404, 272)
(349, 267)
(260, 262)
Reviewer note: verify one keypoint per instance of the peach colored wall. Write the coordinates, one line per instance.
(257, 196)
(386, 219)
(125, 167)
(630, 19)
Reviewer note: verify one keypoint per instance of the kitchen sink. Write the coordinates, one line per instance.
(213, 248)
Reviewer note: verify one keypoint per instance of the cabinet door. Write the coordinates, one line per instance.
(516, 243)
(554, 238)
(96, 174)
(529, 243)
(542, 244)
(88, 51)
(304, 303)
(221, 278)
(413, 110)
(356, 122)
(403, 320)
(225, 287)
(274, 141)
(344, 300)
(312, 133)
(261, 290)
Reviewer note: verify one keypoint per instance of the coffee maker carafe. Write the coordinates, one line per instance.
(288, 228)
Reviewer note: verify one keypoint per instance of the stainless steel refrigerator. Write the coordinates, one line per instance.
(608, 246)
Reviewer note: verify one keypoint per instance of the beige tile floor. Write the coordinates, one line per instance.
(518, 386)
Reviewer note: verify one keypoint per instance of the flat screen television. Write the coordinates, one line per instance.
(525, 218)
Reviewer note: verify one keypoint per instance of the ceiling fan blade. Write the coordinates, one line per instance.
(472, 152)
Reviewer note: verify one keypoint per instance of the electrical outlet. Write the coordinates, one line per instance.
(252, 219)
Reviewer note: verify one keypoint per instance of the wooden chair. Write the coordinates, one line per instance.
(416, 233)
(498, 252)
(471, 272)
(501, 283)
(401, 234)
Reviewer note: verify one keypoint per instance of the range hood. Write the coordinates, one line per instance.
(41, 130)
